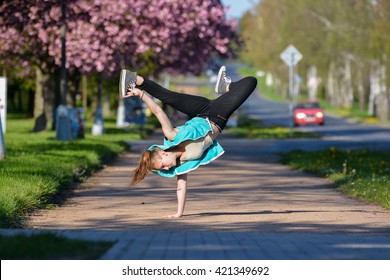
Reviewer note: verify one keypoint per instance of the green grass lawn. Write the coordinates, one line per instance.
(360, 173)
(254, 129)
(276, 132)
(48, 246)
(38, 168)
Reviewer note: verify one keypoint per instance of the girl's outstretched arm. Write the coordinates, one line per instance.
(181, 197)
(167, 128)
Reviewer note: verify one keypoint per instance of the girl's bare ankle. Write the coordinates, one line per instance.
(139, 81)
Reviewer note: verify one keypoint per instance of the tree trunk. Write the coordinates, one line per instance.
(106, 103)
(374, 87)
(277, 86)
(98, 124)
(332, 87)
(84, 92)
(312, 82)
(346, 85)
(73, 89)
(40, 116)
(360, 87)
(383, 97)
(19, 101)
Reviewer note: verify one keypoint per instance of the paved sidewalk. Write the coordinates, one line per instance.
(244, 246)
(220, 245)
(245, 205)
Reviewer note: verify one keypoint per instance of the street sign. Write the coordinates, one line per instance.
(291, 56)
(3, 101)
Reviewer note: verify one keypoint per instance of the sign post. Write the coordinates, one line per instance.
(291, 56)
(2, 144)
(3, 114)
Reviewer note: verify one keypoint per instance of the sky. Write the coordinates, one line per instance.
(238, 7)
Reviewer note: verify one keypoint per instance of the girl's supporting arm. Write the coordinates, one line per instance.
(181, 196)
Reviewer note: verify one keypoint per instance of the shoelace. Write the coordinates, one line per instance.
(131, 85)
(227, 79)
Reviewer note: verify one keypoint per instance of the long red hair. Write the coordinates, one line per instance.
(145, 165)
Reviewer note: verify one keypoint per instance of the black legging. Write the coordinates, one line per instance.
(218, 110)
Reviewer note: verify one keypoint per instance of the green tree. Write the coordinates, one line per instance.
(346, 42)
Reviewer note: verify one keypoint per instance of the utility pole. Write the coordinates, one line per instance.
(63, 126)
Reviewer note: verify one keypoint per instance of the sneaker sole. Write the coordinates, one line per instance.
(219, 77)
(122, 85)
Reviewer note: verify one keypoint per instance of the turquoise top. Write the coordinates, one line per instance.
(191, 130)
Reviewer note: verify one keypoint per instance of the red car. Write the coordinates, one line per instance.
(308, 112)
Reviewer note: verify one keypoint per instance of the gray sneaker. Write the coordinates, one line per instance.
(127, 80)
(222, 81)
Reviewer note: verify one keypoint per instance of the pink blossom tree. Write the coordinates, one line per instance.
(105, 35)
